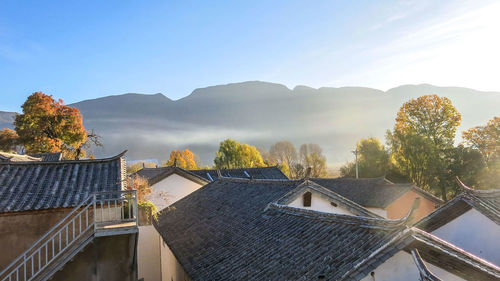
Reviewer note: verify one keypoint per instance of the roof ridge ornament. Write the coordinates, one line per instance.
(410, 216)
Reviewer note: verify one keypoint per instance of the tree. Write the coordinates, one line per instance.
(466, 163)
(8, 140)
(141, 185)
(183, 159)
(232, 155)
(284, 154)
(416, 157)
(425, 129)
(47, 125)
(311, 157)
(134, 167)
(485, 138)
(431, 116)
(373, 160)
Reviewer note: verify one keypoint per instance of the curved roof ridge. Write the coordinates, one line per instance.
(257, 180)
(478, 192)
(112, 158)
(425, 273)
(418, 233)
(362, 221)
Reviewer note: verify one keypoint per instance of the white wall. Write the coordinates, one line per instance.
(171, 270)
(154, 262)
(320, 204)
(402, 267)
(148, 254)
(474, 233)
(173, 187)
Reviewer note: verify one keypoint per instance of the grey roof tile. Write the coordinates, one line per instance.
(370, 192)
(155, 175)
(38, 185)
(48, 157)
(221, 232)
(236, 229)
(256, 173)
(486, 202)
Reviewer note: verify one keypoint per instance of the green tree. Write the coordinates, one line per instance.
(425, 129)
(47, 125)
(416, 157)
(8, 140)
(466, 163)
(373, 160)
(232, 155)
(486, 139)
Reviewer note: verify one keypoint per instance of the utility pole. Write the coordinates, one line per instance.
(356, 154)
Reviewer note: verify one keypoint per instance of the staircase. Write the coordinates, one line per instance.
(101, 214)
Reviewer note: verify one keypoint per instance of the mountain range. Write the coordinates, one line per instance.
(261, 113)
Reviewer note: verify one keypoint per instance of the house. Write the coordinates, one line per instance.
(67, 220)
(387, 199)
(248, 229)
(170, 184)
(470, 221)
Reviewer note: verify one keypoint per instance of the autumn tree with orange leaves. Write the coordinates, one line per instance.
(485, 138)
(8, 140)
(47, 125)
(183, 159)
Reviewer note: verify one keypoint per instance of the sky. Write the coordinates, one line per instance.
(77, 50)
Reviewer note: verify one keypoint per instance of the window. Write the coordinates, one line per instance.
(307, 199)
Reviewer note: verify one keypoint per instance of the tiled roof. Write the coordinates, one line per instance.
(49, 157)
(12, 157)
(371, 192)
(224, 231)
(328, 195)
(432, 250)
(155, 175)
(236, 229)
(264, 173)
(425, 273)
(37, 185)
(486, 202)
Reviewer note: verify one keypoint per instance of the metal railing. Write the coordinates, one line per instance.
(101, 211)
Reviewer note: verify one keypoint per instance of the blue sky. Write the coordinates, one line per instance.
(78, 50)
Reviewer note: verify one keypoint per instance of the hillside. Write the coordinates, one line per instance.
(261, 113)
(7, 119)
